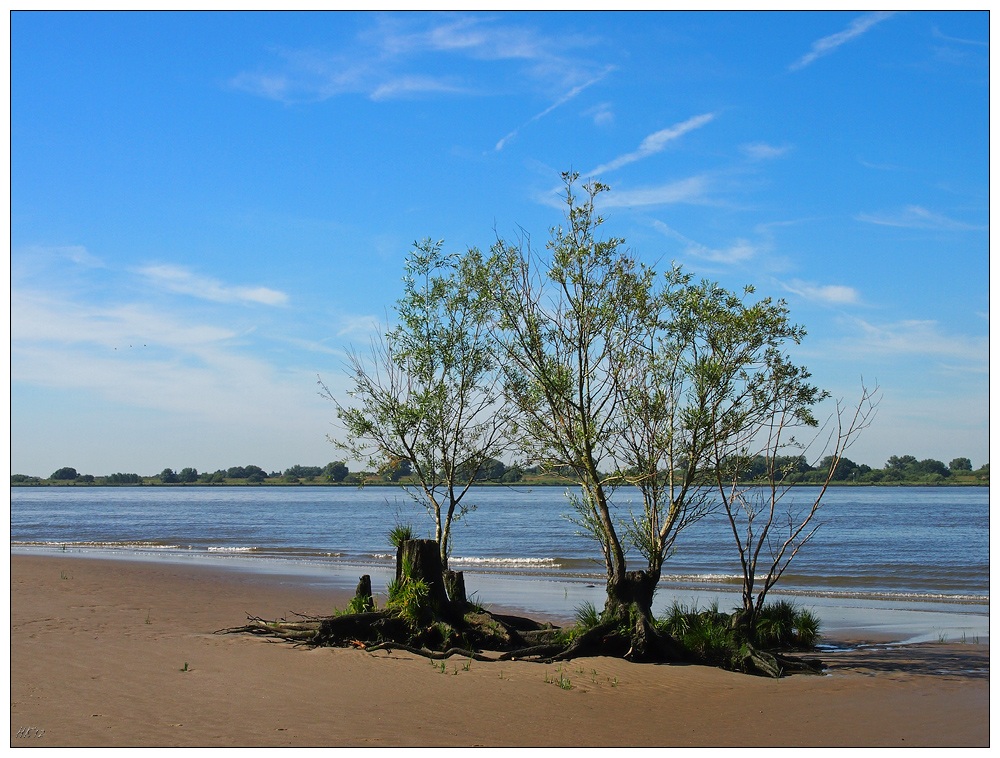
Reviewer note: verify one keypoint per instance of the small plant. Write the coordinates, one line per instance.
(185, 669)
(361, 605)
(400, 533)
(62, 575)
(587, 616)
(147, 616)
(468, 665)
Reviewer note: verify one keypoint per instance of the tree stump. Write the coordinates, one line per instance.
(424, 559)
(454, 582)
(364, 593)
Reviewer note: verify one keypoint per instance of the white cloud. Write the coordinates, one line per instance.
(139, 356)
(762, 151)
(834, 294)
(384, 61)
(358, 325)
(827, 45)
(408, 86)
(690, 190)
(916, 337)
(654, 143)
(916, 217)
(740, 251)
(184, 282)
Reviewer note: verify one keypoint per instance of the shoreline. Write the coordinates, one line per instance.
(99, 647)
(899, 619)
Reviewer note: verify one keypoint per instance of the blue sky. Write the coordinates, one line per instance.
(206, 209)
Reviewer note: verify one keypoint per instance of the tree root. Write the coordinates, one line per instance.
(480, 630)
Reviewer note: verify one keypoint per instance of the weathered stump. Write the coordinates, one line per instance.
(424, 560)
(364, 593)
(454, 582)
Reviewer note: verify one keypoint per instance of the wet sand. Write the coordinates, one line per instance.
(99, 648)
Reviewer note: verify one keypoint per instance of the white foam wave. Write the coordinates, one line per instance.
(213, 549)
(511, 562)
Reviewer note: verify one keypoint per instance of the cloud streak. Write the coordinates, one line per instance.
(917, 217)
(181, 281)
(827, 45)
(654, 143)
(561, 101)
(690, 190)
(831, 294)
(740, 251)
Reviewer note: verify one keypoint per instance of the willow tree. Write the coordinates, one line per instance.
(620, 376)
(427, 392)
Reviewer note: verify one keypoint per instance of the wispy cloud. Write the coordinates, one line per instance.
(879, 166)
(832, 294)
(917, 337)
(740, 251)
(937, 33)
(393, 58)
(561, 101)
(691, 190)
(654, 143)
(760, 151)
(412, 86)
(916, 217)
(827, 45)
(184, 282)
(601, 114)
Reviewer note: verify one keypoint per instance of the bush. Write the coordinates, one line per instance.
(64, 474)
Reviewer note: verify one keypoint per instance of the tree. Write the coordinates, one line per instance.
(597, 351)
(64, 473)
(167, 476)
(336, 471)
(960, 464)
(188, 475)
(768, 398)
(427, 394)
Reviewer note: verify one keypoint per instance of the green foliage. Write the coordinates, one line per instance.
(167, 476)
(426, 401)
(123, 479)
(64, 474)
(361, 605)
(960, 464)
(716, 638)
(336, 471)
(408, 596)
(187, 475)
(24, 479)
(401, 533)
(587, 616)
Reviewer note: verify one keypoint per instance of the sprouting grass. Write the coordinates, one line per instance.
(400, 533)
(587, 615)
(147, 616)
(63, 575)
(185, 669)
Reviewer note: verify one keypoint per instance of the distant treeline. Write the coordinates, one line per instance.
(904, 469)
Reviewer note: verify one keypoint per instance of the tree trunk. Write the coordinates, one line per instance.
(630, 606)
(423, 559)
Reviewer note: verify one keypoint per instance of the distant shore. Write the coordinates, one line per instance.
(107, 652)
(274, 483)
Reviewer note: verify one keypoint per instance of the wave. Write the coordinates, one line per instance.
(89, 543)
(547, 563)
(234, 549)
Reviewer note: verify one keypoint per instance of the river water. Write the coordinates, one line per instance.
(911, 548)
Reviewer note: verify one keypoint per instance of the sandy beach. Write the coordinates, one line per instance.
(120, 653)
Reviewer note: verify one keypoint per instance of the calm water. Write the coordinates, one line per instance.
(900, 543)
